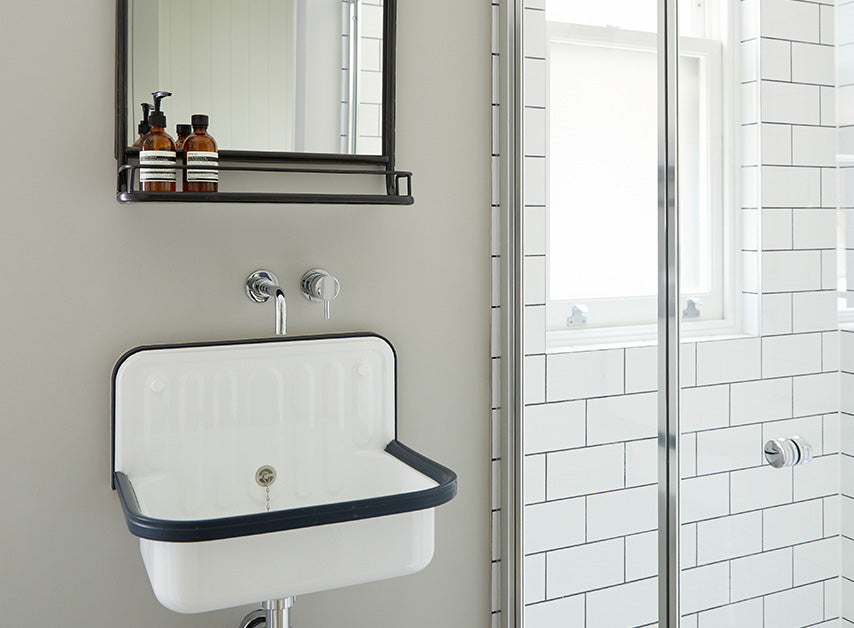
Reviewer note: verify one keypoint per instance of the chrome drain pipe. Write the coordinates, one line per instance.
(278, 612)
(272, 614)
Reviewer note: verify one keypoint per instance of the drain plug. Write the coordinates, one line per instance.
(265, 475)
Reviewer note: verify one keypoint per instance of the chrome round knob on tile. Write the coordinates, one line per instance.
(787, 452)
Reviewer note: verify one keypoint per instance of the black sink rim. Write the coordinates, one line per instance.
(186, 531)
(183, 531)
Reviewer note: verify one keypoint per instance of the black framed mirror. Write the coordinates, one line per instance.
(297, 83)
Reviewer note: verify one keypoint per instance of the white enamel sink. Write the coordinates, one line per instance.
(194, 423)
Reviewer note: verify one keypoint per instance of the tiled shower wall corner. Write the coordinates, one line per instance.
(760, 546)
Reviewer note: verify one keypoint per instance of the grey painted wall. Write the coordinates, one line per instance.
(83, 278)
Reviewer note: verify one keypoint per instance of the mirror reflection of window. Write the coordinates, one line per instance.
(273, 75)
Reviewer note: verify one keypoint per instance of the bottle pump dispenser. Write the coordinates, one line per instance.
(157, 149)
(157, 117)
(143, 127)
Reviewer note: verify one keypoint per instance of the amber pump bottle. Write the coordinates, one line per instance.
(200, 150)
(184, 131)
(143, 128)
(157, 149)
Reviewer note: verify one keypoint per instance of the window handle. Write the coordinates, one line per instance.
(578, 318)
(693, 309)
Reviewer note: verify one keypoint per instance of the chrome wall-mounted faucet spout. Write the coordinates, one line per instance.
(261, 286)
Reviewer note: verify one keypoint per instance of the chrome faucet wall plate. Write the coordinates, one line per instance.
(255, 285)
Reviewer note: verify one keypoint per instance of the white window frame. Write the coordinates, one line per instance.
(612, 325)
(844, 283)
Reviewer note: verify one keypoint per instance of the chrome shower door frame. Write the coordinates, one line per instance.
(668, 317)
(511, 173)
(512, 302)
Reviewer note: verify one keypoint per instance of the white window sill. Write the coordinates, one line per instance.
(577, 340)
(846, 318)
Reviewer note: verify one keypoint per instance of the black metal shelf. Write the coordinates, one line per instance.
(397, 192)
(262, 197)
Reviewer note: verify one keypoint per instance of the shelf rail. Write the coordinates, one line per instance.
(398, 186)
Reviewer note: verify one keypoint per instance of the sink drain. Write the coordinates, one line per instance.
(265, 476)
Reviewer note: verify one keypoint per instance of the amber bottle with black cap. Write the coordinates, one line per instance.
(143, 128)
(200, 150)
(183, 131)
(157, 149)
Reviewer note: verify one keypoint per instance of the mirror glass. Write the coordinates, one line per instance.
(272, 75)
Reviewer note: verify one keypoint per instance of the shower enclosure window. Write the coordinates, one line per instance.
(601, 162)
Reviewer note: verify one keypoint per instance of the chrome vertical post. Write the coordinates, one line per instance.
(668, 317)
(510, 44)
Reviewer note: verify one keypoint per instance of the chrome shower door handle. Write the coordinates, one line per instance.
(787, 452)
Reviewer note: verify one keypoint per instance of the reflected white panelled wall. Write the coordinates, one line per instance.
(766, 238)
(274, 75)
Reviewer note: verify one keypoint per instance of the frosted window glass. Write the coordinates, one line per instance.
(603, 185)
(634, 15)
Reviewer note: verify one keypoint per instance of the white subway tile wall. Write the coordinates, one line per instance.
(760, 546)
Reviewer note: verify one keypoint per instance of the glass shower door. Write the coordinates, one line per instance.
(754, 524)
(590, 341)
(760, 544)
